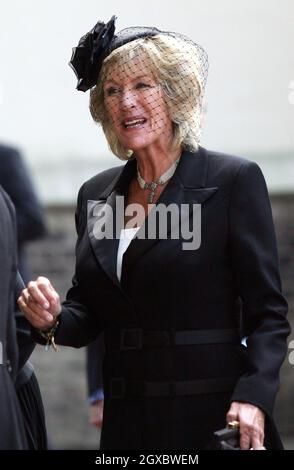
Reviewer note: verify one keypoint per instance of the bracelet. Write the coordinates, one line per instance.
(49, 336)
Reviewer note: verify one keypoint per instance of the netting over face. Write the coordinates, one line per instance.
(150, 92)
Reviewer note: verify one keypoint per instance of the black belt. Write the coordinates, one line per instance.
(121, 388)
(136, 338)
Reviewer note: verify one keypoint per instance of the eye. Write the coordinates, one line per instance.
(142, 85)
(111, 91)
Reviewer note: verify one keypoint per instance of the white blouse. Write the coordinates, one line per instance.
(126, 236)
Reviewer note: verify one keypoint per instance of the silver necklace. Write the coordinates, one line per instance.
(159, 182)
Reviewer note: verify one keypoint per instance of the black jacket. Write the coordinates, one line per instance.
(12, 435)
(17, 182)
(163, 391)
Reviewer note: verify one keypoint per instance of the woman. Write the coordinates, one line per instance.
(175, 369)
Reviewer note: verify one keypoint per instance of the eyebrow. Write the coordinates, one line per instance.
(140, 77)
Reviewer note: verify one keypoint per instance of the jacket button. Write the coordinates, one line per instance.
(8, 365)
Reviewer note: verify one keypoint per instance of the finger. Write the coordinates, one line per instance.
(257, 438)
(39, 311)
(232, 418)
(35, 312)
(233, 413)
(251, 435)
(256, 445)
(40, 323)
(55, 306)
(244, 441)
(29, 311)
(21, 303)
(46, 287)
(245, 436)
(38, 295)
(54, 298)
(24, 294)
(50, 294)
(30, 303)
(51, 287)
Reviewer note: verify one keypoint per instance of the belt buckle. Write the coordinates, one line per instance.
(117, 387)
(126, 339)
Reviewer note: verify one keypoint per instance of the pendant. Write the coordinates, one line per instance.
(152, 186)
(161, 180)
(151, 197)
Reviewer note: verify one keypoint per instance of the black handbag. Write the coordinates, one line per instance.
(225, 439)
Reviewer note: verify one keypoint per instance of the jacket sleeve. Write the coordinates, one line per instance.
(25, 342)
(255, 264)
(8, 252)
(17, 183)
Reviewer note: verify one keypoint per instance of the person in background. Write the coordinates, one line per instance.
(30, 225)
(16, 181)
(94, 360)
(12, 432)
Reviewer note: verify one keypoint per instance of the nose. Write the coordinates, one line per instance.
(128, 99)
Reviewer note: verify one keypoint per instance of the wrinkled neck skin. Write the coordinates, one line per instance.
(155, 160)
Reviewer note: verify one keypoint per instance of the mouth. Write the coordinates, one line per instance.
(133, 123)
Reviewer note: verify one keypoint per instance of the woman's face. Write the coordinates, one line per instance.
(135, 104)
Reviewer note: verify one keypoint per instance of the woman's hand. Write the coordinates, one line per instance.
(40, 303)
(251, 421)
(96, 414)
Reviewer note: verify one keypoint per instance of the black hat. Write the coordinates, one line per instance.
(87, 58)
(96, 45)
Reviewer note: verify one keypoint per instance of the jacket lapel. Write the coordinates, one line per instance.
(105, 220)
(187, 186)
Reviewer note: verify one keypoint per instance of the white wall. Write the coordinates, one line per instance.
(250, 45)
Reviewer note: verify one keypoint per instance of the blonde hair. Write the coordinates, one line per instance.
(176, 65)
